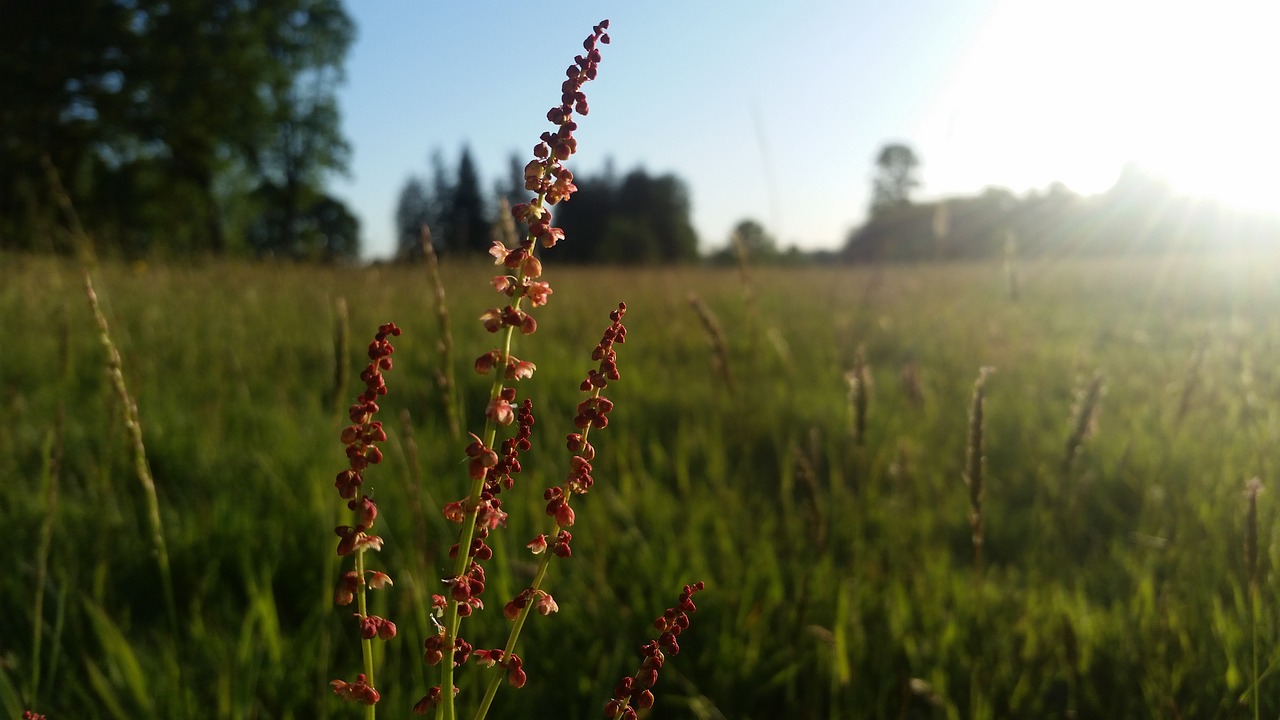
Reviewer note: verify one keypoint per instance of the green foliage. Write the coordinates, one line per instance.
(839, 577)
(159, 116)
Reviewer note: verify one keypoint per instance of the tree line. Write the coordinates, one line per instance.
(1140, 213)
(180, 127)
(175, 126)
(635, 218)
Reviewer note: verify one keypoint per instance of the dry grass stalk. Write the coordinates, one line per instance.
(819, 516)
(1189, 385)
(504, 227)
(1252, 489)
(1084, 419)
(859, 383)
(444, 373)
(716, 337)
(341, 361)
(975, 465)
(912, 384)
(414, 487)
(743, 256)
(133, 425)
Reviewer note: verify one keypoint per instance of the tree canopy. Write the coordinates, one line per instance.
(895, 177)
(639, 218)
(176, 126)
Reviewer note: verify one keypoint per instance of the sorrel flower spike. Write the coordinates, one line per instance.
(635, 691)
(591, 413)
(361, 438)
(552, 183)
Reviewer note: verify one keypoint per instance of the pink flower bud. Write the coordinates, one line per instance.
(366, 512)
(528, 325)
(537, 545)
(564, 515)
(499, 252)
(492, 319)
(500, 412)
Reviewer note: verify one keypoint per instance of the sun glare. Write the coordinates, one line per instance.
(1074, 91)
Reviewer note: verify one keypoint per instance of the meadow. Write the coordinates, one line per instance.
(836, 551)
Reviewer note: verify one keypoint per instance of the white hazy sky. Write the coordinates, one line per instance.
(775, 111)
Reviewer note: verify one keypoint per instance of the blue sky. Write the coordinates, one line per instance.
(775, 111)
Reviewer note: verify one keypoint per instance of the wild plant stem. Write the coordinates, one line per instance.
(453, 618)
(1253, 629)
(366, 645)
(496, 681)
(1252, 489)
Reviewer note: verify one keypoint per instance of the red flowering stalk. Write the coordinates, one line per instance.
(480, 511)
(592, 413)
(635, 691)
(361, 438)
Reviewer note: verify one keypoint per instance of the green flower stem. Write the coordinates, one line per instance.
(496, 681)
(452, 618)
(1253, 631)
(366, 646)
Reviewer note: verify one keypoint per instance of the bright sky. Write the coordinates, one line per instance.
(775, 111)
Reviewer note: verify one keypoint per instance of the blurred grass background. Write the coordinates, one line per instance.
(839, 577)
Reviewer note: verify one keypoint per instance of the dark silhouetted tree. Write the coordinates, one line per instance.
(748, 238)
(413, 210)
(320, 229)
(895, 177)
(642, 219)
(754, 240)
(466, 220)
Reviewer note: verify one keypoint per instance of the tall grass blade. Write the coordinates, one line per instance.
(123, 665)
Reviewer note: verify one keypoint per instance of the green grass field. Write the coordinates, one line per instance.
(839, 577)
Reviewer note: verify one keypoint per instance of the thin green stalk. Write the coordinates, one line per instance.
(1252, 489)
(495, 682)
(49, 483)
(52, 453)
(452, 618)
(552, 183)
(518, 625)
(366, 644)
